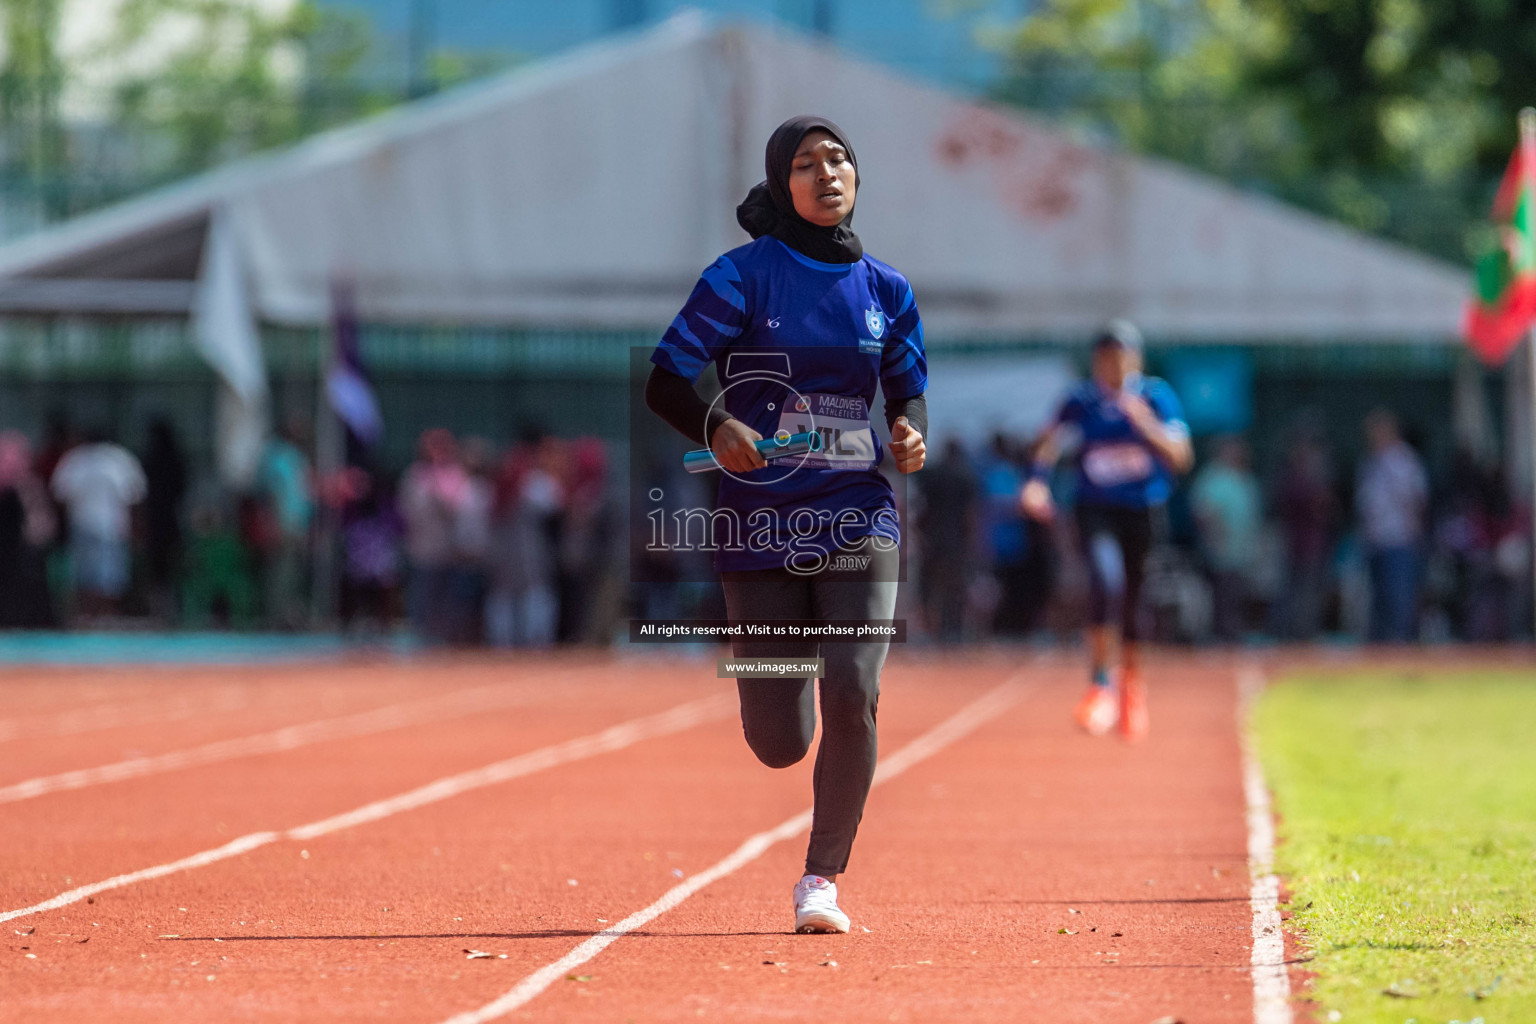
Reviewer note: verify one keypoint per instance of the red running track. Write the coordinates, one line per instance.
(1023, 872)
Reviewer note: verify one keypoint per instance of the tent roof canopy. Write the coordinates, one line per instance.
(588, 190)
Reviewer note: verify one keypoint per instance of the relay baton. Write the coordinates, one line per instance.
(780, 446)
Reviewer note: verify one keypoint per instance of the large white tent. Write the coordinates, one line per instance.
(588, 191)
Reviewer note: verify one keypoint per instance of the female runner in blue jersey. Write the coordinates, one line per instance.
(802, 327)
(1132, 440)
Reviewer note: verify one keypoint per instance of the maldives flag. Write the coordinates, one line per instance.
(1505, 305)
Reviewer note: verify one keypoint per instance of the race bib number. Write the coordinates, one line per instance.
(843, 422)
(1109, 465)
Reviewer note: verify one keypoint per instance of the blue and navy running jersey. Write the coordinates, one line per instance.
(798, 345)
(1115, 465)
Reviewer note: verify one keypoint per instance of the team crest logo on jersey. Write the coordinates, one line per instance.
(874, 319)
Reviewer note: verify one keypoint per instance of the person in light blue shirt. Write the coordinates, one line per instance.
(1132, 441)
(284, 479)
(1230, 513)
(803, 328)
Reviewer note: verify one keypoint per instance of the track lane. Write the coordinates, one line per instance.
(954, 728)
(986, 847)
(968, 868)
(499, 860)
(183, 708)
(34, 692)
(445, 706)
(71, 838)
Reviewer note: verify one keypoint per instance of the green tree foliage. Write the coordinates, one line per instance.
(191, 83)
(1394, 115)
(31, 81)
(242, 79)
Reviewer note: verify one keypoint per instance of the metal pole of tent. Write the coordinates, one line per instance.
(1528, 170)
(330, 454)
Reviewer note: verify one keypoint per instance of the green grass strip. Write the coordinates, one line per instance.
(1407, 835)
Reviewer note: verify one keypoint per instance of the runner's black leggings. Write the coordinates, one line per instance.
(1133, 531)
(779, 716)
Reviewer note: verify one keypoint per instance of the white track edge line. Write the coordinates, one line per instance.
(676, 719)
(958, 725)
(1271, 977)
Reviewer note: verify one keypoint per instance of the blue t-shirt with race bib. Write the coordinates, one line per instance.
(1115, 465)
(801, 345)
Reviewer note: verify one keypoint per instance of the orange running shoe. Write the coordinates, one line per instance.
(1133, 707)
(1097, 711)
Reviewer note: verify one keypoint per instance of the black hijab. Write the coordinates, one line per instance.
(770, 210)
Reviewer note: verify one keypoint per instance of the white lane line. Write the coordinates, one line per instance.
(684, 716)
(112, 716)
(363, 723)
(234, 848)
(1271, 979)
(964, 721)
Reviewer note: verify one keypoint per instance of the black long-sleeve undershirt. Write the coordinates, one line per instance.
(674, 399)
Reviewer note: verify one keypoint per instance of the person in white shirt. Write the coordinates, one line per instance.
(99, 482)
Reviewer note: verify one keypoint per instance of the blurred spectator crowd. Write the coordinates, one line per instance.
(1383, 553)
(528, 546)
(469, 545)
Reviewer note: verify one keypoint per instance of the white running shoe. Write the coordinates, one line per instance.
(816, 906)
(1098, 711)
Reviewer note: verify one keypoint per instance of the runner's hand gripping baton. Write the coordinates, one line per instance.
(780, 446)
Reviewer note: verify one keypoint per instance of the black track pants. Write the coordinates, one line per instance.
(1133, 531)
(779, 716)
